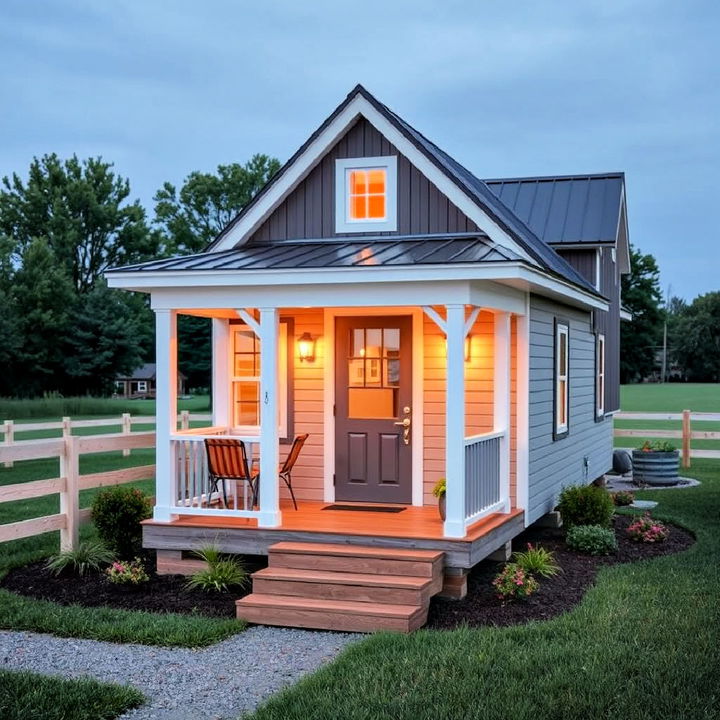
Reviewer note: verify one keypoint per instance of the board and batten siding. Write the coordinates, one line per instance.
(557, 463)
(308, 212)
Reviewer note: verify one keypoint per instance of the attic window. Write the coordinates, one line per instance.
(366, 194)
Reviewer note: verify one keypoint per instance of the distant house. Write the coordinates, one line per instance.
(141, 384)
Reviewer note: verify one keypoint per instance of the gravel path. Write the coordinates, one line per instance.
(221, 681)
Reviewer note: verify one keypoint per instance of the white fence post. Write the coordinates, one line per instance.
(126, 430)
(9, 438)
(185, 420)
(66, 427)
(70, 497)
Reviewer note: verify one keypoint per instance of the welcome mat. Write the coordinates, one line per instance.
(366, 508)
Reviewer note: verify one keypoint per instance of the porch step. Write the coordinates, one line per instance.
(323, 614)
(344, 587)
(356, 558)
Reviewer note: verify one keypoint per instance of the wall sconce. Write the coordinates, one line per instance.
(468, 347)
(306, 347)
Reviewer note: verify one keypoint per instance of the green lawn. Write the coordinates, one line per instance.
(27, 696)
(644, 643)
(670, 397)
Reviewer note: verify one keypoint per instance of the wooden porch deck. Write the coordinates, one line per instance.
(413, 527)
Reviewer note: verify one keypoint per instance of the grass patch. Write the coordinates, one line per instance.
(670, 397)
(644, 643)
(28, 696)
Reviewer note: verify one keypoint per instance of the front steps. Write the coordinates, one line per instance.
(343, 587)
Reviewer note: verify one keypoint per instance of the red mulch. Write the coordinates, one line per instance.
(557, 594)
(162, 594)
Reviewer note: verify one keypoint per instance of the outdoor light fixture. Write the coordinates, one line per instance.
(468, 341)
(306, 347)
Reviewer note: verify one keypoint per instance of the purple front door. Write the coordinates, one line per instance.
(373, 413)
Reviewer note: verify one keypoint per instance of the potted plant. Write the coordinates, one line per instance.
(439, 493)
(656, 463)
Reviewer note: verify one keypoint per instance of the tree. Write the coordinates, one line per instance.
(191, 219)
(81, 209)
(695, 338)
(642, 297)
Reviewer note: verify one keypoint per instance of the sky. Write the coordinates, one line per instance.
(508, 88)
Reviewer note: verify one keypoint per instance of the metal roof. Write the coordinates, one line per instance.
(565, 209)
(346, 252)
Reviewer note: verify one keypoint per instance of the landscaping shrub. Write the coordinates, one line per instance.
(514, 583)
(537, 560)
(222, 573)
(127, 573)
(621, 498)
(585, 505)
(647, 530)
(117, 513)
(657, 446)
(89, 556)
(591, 540)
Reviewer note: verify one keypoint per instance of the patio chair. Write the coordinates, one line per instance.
(285, 471)
(227, 460)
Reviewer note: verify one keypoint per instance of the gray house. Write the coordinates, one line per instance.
(141, 383)
(417, 323)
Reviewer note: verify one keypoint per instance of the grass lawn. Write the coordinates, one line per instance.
(645, 643)
(27, 696)
(670, 397)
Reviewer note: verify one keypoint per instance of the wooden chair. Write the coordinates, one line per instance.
(227, 460)
(290, 460)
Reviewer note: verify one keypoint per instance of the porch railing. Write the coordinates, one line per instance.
(483, 482)
(193, 495)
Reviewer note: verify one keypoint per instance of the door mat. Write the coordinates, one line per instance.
(366, 508)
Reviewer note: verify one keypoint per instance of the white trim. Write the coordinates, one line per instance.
(249, 320)
(600, 375)
(522, 411)
(562, 330)
(282, 187)
(472, 439)
(343, 222)
(501, 399)
(418, 410)
(625, 315)
(435, 316)
(220, 372)
(598, 264)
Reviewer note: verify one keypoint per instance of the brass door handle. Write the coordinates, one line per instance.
(405, 424)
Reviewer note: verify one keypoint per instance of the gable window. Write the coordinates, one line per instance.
(245, 379)
(600, 376)
(562, 378)
(366, 194)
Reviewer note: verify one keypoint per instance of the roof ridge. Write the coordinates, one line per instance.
(536, 178)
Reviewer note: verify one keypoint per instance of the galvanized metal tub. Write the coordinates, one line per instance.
(656, 468)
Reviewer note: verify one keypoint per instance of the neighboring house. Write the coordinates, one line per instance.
(419, 323)
(141, 384)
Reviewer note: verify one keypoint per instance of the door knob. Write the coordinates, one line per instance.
(405, 423)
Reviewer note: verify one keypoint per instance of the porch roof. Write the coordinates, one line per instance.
(439, 249)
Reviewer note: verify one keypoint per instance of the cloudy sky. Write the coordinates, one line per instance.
(508, 88)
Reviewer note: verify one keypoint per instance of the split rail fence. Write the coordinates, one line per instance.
(686, 435)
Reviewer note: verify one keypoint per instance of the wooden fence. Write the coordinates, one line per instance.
(686, 435)
(70, 482)
(9, 428)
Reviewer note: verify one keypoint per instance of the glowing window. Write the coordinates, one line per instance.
(562, 377)
(366, 194)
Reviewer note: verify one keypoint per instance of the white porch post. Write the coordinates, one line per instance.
(501, 404)
(455, 423)
(270, 515)
(220, 372)
(165, 413)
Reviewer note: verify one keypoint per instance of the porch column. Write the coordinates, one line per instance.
(270, 515)
(455, 422)
(501, 402)
(220, 372)
(165, 412)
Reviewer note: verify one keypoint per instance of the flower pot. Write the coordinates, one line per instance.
(441, 507)
(656, 468)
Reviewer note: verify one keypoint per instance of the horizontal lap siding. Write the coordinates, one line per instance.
(309, 210)
(556, 463)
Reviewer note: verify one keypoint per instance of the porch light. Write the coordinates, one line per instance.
(306, 347)
(468, 346)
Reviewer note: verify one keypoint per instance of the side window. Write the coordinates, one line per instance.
(562, 378)
(599, 376)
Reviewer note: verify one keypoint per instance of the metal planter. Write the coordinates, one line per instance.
(656, 468)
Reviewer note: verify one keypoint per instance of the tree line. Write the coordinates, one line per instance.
(62, 330)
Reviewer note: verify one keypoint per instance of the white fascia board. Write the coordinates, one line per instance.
(325, 140)
(625, 315)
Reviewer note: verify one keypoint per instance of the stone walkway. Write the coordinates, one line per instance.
(219, 682)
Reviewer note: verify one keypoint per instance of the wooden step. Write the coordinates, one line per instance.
(323, 614)
(356, 559)
(359, 587)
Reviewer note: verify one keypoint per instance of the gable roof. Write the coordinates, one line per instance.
(481, 197)
(575, 209)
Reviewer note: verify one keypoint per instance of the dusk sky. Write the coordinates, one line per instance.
(522, 88)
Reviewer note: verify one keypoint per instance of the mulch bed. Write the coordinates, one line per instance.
(556, 595)
(162, 594)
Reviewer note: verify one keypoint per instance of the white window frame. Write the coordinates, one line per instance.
(343, 168)
(142, 386)
(283, 340)
(600, 371)
(562, 374)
